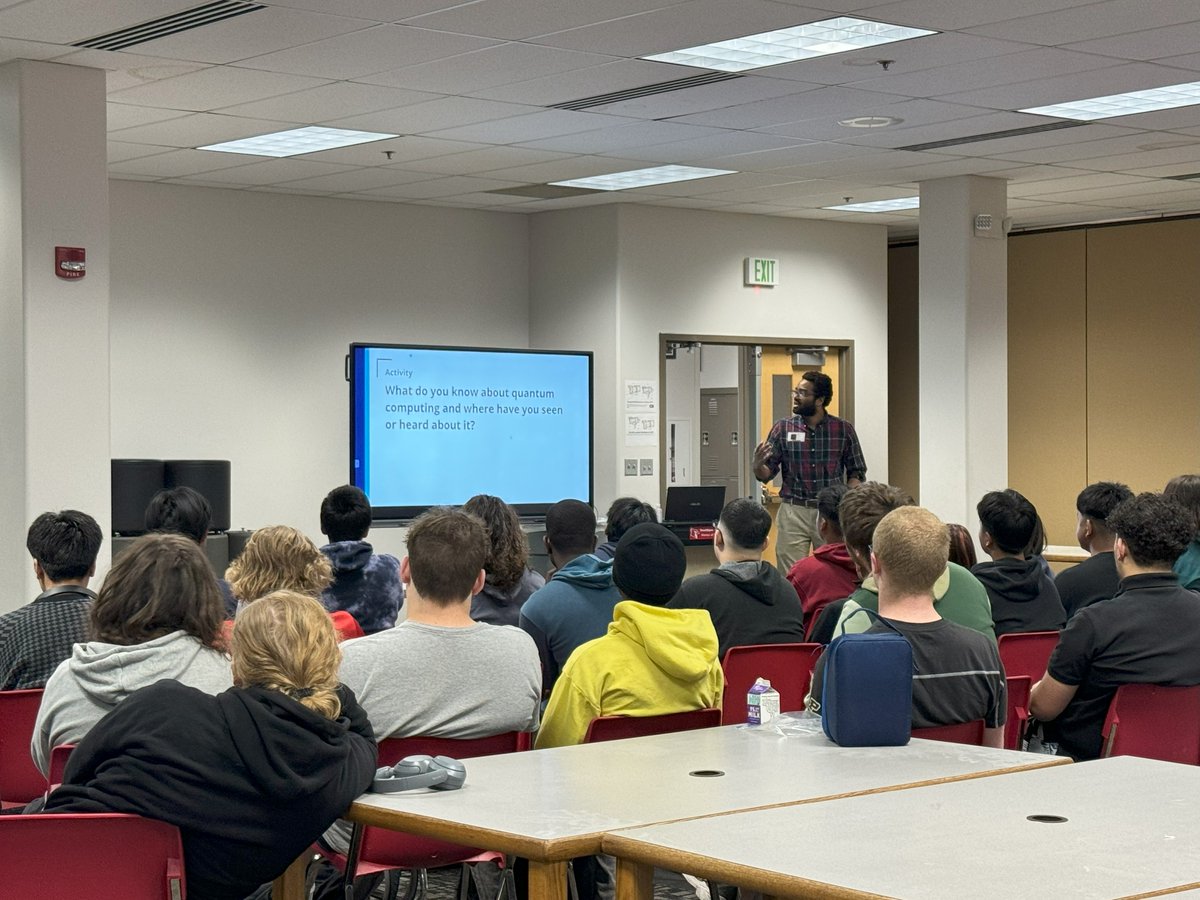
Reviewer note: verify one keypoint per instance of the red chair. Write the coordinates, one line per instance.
(1155, 722)
(1019, 687)
(614, 728)
(101, 856)
(20, 780)
(380, 849)
(963, 733)
(1028, 653)
(788, 666)
(58, 763)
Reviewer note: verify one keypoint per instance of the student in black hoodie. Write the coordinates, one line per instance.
(1022, 593)
(251, 776)
(749, 601)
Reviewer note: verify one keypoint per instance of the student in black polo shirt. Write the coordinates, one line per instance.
(1095, 578)
(1146, 634)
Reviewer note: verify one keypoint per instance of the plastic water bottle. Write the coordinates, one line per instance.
(762, 703)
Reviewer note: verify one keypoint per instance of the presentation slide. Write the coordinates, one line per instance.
(433, 426)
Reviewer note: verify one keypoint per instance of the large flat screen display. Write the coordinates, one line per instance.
(432, 426)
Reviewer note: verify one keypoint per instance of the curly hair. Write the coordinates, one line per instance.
(509, 547)
(286, 642)
(279, 558)
(161, 583)
(862, 509)
(1185, 490)
(1155, 529)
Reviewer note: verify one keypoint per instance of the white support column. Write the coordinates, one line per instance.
(963, 345)
(54, 378)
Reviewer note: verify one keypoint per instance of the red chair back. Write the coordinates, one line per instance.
(382, 848)
(1028, 653)
(1155, 722)
(788, 666)
(1019, 687)
(20, 780)
(963, 733)
(614, 728)
(101, 856)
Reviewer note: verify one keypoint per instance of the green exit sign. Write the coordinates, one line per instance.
(761, 272)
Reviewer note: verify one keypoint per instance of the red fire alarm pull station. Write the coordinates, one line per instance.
(70, 262)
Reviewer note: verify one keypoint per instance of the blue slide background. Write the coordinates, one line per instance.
(511, 452)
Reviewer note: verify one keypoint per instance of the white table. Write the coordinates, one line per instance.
(552, 805)
(1132, 829)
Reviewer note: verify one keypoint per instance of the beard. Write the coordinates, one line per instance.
(804, 409)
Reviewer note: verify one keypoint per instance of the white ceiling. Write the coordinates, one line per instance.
(467, 84)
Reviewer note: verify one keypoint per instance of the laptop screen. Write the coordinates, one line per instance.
(694, 504)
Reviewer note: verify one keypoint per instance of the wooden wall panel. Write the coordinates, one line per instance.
(1143, 352)
(1047, 375)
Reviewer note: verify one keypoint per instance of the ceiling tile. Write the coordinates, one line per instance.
(563, 169)
(273, 171)
(49, 21)
(119, 151)
(489, 67)
(1154, 43)
(1070, 182)
(954, 15)
(317, 105)
(11, 49)
(1185, 155)
(434, 115)
(374, 10)
(180, 162)
(360, 179)
(519, 19)
(1074, 86)
(591, 82)
(723, 95)
(700, 151)
(401, 150)
(612, 140)
(195, 130)
(1085, 22)
(123, 116)
(442, 187)
(375, 49)
(213, 88)
(475, 162)
(517, 129)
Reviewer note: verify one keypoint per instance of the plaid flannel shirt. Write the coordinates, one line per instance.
(824, 454)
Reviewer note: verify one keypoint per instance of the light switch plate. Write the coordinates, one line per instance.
(647, 466)
(631, 467)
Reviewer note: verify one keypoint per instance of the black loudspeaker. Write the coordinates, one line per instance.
(209, 477)
(134, 483)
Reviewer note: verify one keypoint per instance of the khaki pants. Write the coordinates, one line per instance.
(795, 534)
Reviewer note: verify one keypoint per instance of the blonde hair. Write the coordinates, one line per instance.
(286, 642)
(279, 558)
(912, 546)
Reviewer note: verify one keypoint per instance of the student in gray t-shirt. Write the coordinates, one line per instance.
(439, 673)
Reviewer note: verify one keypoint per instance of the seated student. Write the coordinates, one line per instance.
(1095, 578)
(962, 546)
(510, 581)
(250, 776)
(1185, 490)
(1022, 594)
(829, 573)
(365, 584)
(185, 511)
(623, 514)
(439, 673)
(37, 637)
(653, 660)
(576, 605)
(957, 594)
(1146, 634)
(280, 558)
(158, 616)
(957, 675)
(748, 600)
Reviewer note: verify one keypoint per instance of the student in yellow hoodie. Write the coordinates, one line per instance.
(652, 660)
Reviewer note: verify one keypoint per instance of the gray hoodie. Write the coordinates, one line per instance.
(97, 676)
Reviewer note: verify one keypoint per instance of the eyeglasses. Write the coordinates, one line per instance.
(799, 392)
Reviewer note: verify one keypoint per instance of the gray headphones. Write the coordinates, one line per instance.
(438, 772)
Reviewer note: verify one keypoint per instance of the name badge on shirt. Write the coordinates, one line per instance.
(795, 437)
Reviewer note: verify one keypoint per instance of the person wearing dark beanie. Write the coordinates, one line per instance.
(653, 660)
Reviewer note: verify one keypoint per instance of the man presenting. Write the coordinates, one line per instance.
(813, 449)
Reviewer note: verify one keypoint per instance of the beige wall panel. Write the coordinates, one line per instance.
(904, 393)
(1048, 372)
(1143, 351)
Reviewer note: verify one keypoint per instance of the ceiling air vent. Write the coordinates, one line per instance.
(993, 136)
(649, 90)
(168, 25)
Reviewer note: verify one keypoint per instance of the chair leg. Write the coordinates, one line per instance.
(572, 885)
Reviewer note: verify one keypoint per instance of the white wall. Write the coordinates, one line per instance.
(663, 270)
(232, 312)
(681, 272)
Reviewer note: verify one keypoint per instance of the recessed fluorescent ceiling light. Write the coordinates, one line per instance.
(878, 206)
(790, 44)
(297, 141)
(636, 178)
(1169, 97)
